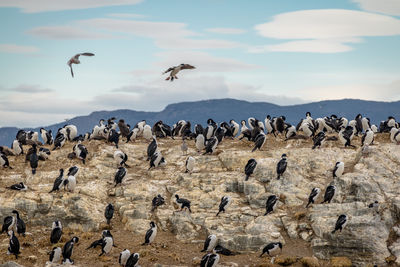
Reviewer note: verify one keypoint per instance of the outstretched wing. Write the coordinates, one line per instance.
(86, 54)
(187, 66)
(168, 70)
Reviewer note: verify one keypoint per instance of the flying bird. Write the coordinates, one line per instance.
(75, 60)
(174, 71)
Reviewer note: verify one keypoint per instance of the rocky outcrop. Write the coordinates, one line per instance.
(370, 237)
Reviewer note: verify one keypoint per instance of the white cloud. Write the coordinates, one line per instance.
(30, 89)
(66, 32)
(34, 6)
(367, 91)
(391, 7)
(17, 49)
(324, 30)
(226, 30)
(167, 35)
(126, 15)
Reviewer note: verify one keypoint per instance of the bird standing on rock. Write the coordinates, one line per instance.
(271, 247)
(56, 232)
(150, 234)
(109, 213)
(340, 223)
(281, 166)
(210, 243)
(250, 168)
(224, 204)
(189, 165)
(157, 201)
(119, 175)
(184, 203)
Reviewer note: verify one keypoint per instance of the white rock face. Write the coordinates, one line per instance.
(243, 227)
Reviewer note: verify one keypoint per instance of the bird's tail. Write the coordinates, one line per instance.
(279, 176)
(334, 231)
(314, 146)
(261, 254)
(172, 78)
(108, 221)
(33, 171)
(266, 213)
(308, 204)
(247, 177)
(144, 244)
(218, 213)
(254, 149)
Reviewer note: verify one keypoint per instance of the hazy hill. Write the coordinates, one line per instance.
(226, 109)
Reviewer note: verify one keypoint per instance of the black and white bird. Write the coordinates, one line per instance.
(268, 125)
(18, 187)
(16, 146)
(8, 223)
(313, 196)
(281, 166)
(47, 136)
(56, 232)
(271, 203)
(13, 247)
(346, 135)
(60, 140)
(174, 71)
(224, 251)
(210, 260)
(157, 201)
(21, 227)
(150, 234)
(113, 137)
(107, 244)
(211, 145)
(367, 138)
(123, 257)
(34, 159)
(189, 164)
(340, 223)
(55, 255)
(109, 212)
(319, 139)
(75, 60)
(120, 158)
(152, 148)
(44, 153)
(119, 175)
(224, 204)
(271, 248)
(395, 135)
(338, 169)
(235, 127)
(80, 151)
(68, 249)
(70, 183)
(259, 141)
(183, 203)
(250, 168)
(4, 161)
(157, 160)
(200, 142)
(329, 193)
(133, 260)
(210, 243)
(58, 182)
(73, 171)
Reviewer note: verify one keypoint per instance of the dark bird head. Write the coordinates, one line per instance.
(333, 116)
(75, 239)
(358, 116)
(61, 171)
(121, 121)
(268, 117)
(15, 212)
(308, 114)
(177, 197)
(284, 156)
(159, 196)
(283, 118)
(152, 224)
(210, 121)
(280, 245)
(243, 122)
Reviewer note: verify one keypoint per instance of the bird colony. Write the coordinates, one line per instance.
(219, 194)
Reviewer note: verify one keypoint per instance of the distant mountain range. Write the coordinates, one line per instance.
(224, 110)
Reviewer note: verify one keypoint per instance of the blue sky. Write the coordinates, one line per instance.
(284, 52)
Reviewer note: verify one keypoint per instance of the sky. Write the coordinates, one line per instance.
(283, 52)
